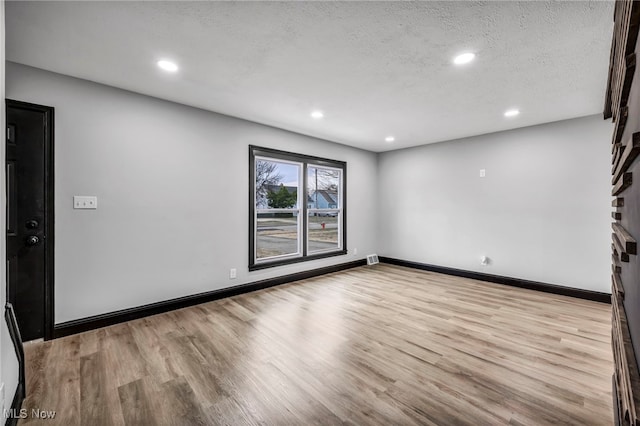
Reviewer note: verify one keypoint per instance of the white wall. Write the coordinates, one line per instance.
(8, 359)
(541, 213)
(172, 188)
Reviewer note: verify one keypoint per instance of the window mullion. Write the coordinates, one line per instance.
(303, 206)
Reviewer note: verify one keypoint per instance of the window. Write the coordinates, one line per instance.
(297, 208)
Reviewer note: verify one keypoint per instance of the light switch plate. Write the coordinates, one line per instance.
(483, 172)
(85, 202)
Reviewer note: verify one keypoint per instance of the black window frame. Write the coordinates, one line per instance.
(306, 160)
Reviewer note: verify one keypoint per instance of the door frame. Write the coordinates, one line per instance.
(49, 226)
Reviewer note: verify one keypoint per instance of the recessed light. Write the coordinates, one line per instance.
(389, 139)
(167, 65)
(317, 114)
(511, 113)
(464, 58)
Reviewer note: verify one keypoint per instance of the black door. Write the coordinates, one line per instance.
(29, 174)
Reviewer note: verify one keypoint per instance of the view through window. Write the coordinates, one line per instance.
(297, 207)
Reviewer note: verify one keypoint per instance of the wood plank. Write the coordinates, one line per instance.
(615, 264)
(630, 67)
(616, 283)
(623, 183)
(628, 242)
(127, 363)
(622, 61)
(629, 153)
(617, 202)
(616, 150)
(616, 215)
(615, 269)
(53, 375)
(620, 124)
(620, 36)
(625, 363)
(634, 26)
(620, 366)
(178, 396)
(608, 112)
(136, 401)
(624, 256)
(153, 348)
(98, 398)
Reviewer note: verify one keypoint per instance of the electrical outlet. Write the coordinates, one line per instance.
(483, 172)
(232, 274)
(355, 251)
(85, 202)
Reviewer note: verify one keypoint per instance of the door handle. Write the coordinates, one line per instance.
(32, 240)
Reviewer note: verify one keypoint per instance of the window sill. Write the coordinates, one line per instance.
(265, 265)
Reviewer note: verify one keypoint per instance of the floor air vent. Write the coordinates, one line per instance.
(372, 259)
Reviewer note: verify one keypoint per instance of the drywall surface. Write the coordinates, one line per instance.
(172, 187)
(541, 213)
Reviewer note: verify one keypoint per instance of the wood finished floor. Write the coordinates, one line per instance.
(369, 346)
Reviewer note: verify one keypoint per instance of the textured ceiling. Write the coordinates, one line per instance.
(374, 68)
